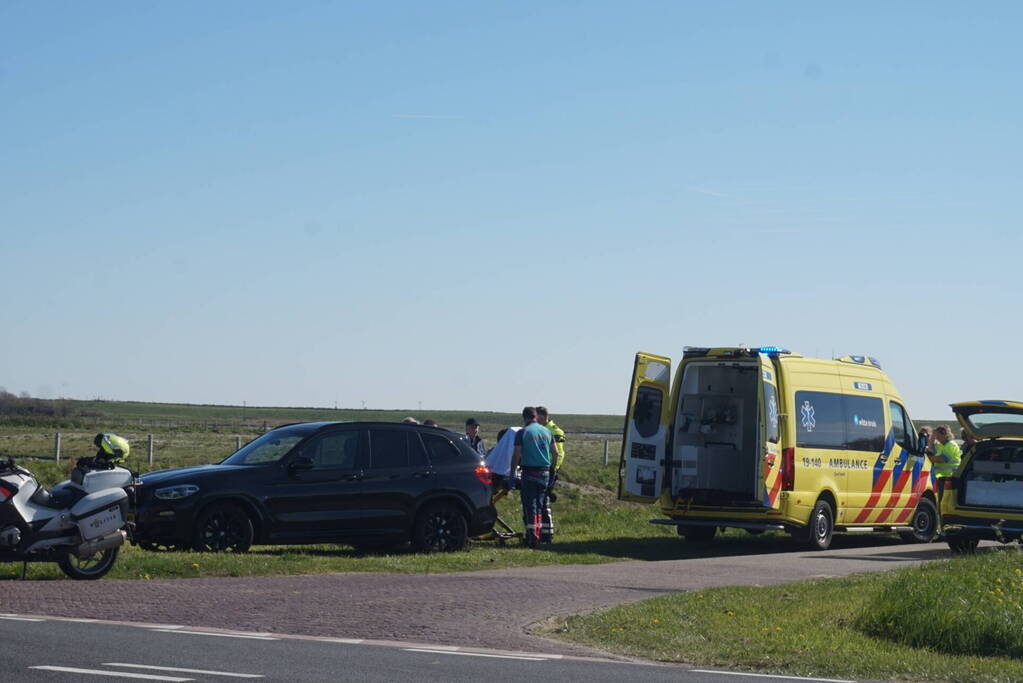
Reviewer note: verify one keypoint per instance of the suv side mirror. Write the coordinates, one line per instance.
(300, 463)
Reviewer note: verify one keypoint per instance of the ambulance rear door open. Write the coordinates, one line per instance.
(726, 444)
(644, 441)
(770, 470)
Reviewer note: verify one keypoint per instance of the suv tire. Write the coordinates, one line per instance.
(440, 527)
(223, 528)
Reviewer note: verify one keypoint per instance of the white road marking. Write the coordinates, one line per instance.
(21, 619)
(184, 671)
(213, 633)
(474, 654)
(787, 678)
(346, 641)
(119, 674)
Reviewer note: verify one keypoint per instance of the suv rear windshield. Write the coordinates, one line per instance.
(270, 447)
(996, 424)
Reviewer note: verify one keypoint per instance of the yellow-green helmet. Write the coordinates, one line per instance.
(113, 446)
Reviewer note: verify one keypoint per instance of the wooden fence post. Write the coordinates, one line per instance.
(150, 449)
(605, 451)
(56, 447)
(237, 443)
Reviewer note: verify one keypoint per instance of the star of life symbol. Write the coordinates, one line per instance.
(772, 410)
(808, 419)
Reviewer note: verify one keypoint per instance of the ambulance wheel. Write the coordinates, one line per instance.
(223, 528)
(924, 523)
(697, 534)
(962, 546)
(88, 568)
(820, 527)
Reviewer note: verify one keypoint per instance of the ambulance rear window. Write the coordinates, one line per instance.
(646, 414)
(771, 408)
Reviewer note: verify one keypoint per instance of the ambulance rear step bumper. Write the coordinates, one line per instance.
(762, 526)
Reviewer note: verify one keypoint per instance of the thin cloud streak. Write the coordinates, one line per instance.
(769, 210)
(439, 117)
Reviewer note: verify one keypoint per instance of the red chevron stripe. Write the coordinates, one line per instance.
(918, 489)
(875, 496)
(773, 495)
(893, 500)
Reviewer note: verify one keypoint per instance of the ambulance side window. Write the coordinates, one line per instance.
(898, 423)
(903, 426)
(820, 420)
(839, 421)
(864, 420)
(771, 410)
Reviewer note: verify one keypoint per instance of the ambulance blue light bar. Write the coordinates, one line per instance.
(769, 350)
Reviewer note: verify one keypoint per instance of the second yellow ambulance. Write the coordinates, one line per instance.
(765, 439)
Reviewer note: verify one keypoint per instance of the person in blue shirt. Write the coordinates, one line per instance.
(534, 453)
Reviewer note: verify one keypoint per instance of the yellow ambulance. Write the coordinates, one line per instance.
(765, 439)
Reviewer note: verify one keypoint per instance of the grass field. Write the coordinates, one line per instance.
(100, 415)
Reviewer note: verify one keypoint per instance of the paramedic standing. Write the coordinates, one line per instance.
(946, 456)
(472, 430)
(534, 448)
(544, 418)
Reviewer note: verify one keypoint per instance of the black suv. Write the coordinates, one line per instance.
(368, 484)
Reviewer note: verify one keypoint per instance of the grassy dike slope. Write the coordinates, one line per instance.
(956, 620)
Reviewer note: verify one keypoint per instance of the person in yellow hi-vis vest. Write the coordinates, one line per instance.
(544, 418)
(946, 456)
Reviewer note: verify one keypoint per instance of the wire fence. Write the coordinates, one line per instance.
(180, 448)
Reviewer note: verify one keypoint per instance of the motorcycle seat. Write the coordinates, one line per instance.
(57, 499)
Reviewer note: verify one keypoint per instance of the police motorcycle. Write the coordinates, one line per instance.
(79, 523)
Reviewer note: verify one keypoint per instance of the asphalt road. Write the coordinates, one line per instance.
(485, 609)
(59, 651)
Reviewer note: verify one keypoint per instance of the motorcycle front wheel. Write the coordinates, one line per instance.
(88, 568)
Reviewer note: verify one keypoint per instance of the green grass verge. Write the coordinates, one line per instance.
(870, 626)
(971, 605)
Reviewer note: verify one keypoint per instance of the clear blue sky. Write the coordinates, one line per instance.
(486, 205)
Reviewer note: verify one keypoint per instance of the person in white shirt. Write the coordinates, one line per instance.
(500, 456)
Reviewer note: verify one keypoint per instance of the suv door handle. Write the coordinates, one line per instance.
(351, 477)
(420, 475)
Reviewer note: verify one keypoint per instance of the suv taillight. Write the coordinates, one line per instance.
(5, 494)
(788, 469)
(484, 475)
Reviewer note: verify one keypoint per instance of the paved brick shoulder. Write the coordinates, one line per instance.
(490, 609)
